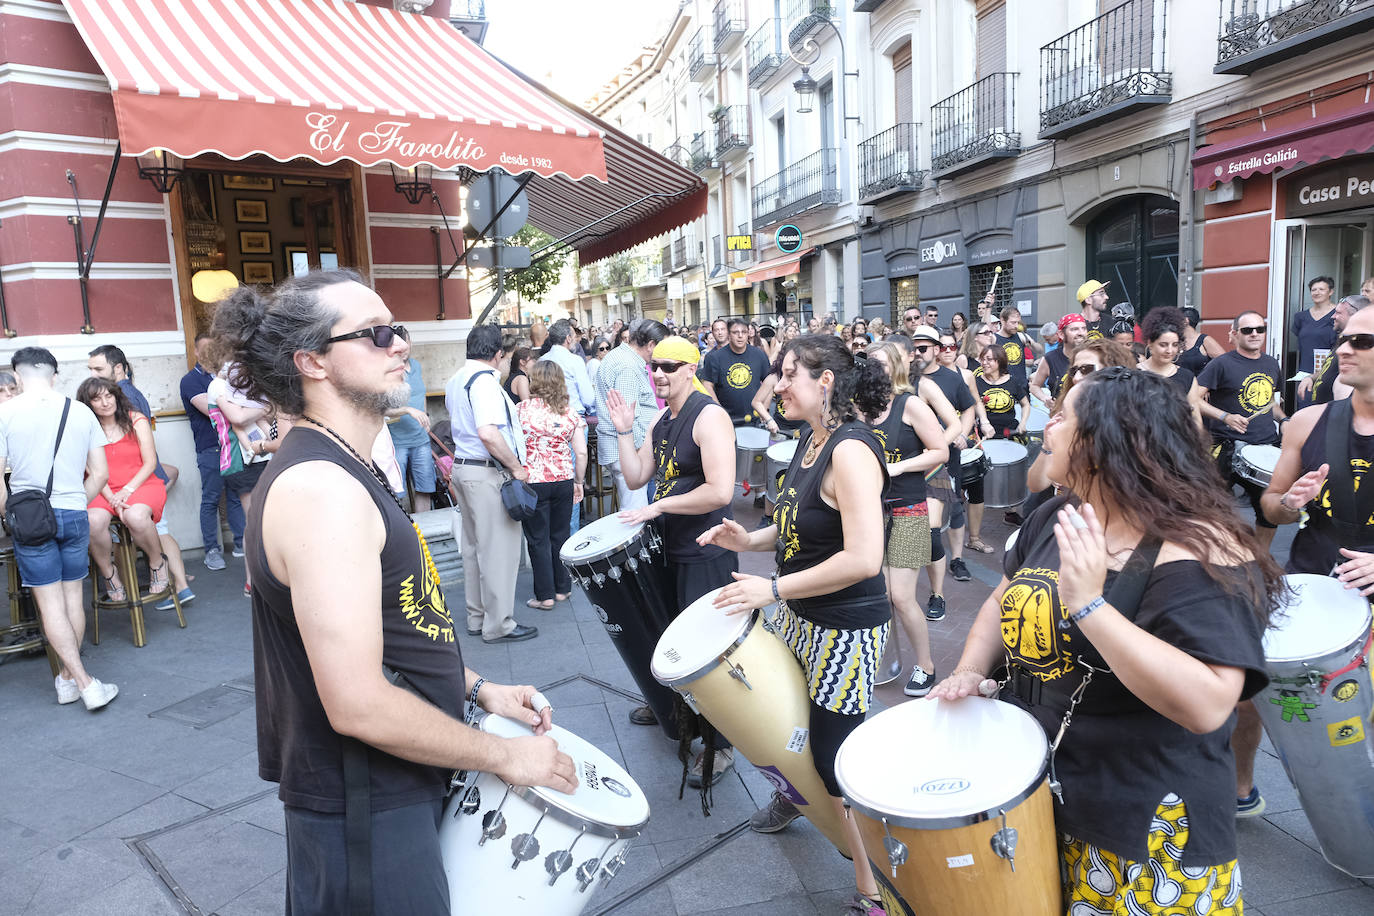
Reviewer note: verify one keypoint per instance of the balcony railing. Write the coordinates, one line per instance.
(764, 51)
(732, 130)
(867, 6)
(1111, 65)
(806, 17)
(686, 251)
(1255, 33)
(888, 163)
(701, 58)
(812, 182)
(975, 125)
(717, 253)
(703, 153)
(470, 18)
(679, 154)
(729, 23)
(665, 262)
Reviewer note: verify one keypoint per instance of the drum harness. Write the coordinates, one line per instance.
(1351, 508)
(1124, 595)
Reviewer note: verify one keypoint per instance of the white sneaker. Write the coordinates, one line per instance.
(97, 694)
(67, 691)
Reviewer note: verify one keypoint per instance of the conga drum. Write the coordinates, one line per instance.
(750, 445)
(1317, 710)
(779, 457)
(1005, 487)
(954, 808)
(1255, 463)
(734, 671)
(517, 849)
(623, 570)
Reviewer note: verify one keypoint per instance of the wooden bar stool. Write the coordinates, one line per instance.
(126, 564)
(24, 633)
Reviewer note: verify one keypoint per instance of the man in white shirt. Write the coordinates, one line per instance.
(488, 445)
(54, 569)
(626, 370)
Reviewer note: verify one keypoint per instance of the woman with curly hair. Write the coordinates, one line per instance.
(1136, 604)
(1163, 328)
(828, 533)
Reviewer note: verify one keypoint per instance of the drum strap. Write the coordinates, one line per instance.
(1350, 508)
(358, 826)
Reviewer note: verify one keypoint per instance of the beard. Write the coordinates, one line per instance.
(377, 402)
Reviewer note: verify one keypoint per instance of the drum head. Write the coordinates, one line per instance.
(782, 452)
(1263, 457)
(1039, 416)
(696, 639)
(970, 456)
(751, 437)
(931, 760)
(1001, 451)
(1319, 617)
(601, 537)
(605, 794)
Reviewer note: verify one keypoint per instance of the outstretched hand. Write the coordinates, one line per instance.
(1082, 556)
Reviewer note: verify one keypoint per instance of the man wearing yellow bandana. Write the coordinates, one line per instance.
(690, 456)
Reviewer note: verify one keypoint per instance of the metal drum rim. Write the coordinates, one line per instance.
(1312, 663)
(716, 660)
(948, 822)
(623, 545)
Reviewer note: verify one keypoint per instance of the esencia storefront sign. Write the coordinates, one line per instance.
(1344, 185)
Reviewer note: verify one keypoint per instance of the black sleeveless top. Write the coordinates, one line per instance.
(1194, 358)
(900, 442)
(1317, 545)
(679, 471)
(297, 748)
(1058, 362)
(510, 380)
(1182, 380)
(810, 532)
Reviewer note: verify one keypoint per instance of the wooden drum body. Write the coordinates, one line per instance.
(734, 671)
(948, 797)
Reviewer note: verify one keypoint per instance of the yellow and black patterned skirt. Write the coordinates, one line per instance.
(841, 665)
(1101, 883)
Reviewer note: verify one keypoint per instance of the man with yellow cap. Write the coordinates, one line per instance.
(690, 456)
(1092, 296)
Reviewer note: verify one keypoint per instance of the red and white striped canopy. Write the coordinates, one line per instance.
(328, 80)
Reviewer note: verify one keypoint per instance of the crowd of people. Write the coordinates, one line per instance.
(1131, 606)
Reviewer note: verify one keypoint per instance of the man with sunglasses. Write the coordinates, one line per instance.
(1240, 391)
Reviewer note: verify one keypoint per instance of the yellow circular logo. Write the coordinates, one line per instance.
(1013, 351)
(739, 376)
(998, 400)
(1346, 691)
(1256, 392)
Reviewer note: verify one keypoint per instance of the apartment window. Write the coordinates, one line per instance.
(991, 37)
(901, 85)
(980, 278)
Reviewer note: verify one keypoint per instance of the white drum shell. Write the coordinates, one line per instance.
(779, 460)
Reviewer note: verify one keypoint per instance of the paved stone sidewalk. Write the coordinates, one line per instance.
(153, 805)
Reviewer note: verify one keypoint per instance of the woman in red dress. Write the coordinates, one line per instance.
(133, 492)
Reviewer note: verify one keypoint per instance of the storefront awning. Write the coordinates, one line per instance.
(326, 80)
(777, 267)
(1329, 137)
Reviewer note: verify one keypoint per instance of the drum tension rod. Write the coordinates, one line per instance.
(494, 822)
(559, 862)
(737, 672)
(896, 849)
(526, 845)
(1004, 841)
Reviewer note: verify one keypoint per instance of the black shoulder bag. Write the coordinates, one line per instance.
(517, 497)
(28, 514)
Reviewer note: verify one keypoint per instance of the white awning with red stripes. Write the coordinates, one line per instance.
(324, 79)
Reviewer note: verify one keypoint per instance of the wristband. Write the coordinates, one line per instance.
(776, 596)
(476, 686)
(1283, 501)
(1082, 612)
(1225, 417)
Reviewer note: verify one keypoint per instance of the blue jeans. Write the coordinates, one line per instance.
(211, 486)
(64, 558)
(417, 463)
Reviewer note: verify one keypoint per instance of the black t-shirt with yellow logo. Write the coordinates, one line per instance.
(1018, 353)
(735, 378)
(1240, 385)
(1000, 401)
(1316, 546)
(1119, 757)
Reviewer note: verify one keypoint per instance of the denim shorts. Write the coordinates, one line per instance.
(418, 460)
(63, 559)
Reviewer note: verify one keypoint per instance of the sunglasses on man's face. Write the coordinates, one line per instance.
(383, 335)
(1356, 341)
(602, 349)
(666, 366)
(910, 317)
(1257, 329)
(922, 348)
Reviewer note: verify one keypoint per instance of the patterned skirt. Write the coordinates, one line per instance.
(908, 539)
(841, 665)
(1101, 883)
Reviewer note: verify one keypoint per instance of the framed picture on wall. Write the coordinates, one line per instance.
(250, 211)
(297, 260)
(258, 272)
(249, 183)
(255, 242)
(306, 182)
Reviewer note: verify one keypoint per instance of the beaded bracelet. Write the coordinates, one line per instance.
(776, 596)
(476, 686)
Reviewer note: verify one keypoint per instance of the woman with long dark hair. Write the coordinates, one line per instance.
(1163, 329)
(517, 382)
(1139, 667)
(828, 535)
(958, 326)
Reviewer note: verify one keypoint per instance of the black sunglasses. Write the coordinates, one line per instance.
(921, 348)
(602, 349)
(1085, 369)
(1356, 341)
(666, 366)
(1257, 329)
(383, 335)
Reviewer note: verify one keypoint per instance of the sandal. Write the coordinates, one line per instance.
(114, 589)
(158, 573)
(563, 597)
(539, 605)
(977, 544)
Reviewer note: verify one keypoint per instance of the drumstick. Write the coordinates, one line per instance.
(996, 274)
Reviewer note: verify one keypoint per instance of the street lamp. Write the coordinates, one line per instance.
(162, 168)
(415, 183)
(805, 86)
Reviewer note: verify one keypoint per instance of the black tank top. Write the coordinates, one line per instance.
(510, 381)
(900, 442)
(1057, 373)
(680, 471)
(297, 748)
(1194, 358)
(1317, 545)
(810, 532)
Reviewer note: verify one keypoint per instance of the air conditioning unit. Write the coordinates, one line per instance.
(867, 215)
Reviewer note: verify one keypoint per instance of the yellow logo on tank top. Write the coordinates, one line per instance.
(424, 605)
(1031, 611)
(998, 400)
(1014, 353)
(1256, 392)
(785, 517)
(1358, 467)
(889, 456)
(739, 375)
(667, 475)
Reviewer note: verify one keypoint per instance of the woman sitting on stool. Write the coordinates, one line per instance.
(132, 493)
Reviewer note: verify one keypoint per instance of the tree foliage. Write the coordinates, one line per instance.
(535, 281)
(619, 271)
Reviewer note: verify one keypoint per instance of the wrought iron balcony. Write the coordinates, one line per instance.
(867, 6)
(888, 164)
(806, 17)
(686, 251)
(1256, 33)
(665, 262)
(975, 125)
(728, 23)
(732, 130)
(678, 154)
(470, 18)
(704, 154)
(1111, 65)
(701, 59)
(812, 182)
(764, 51)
